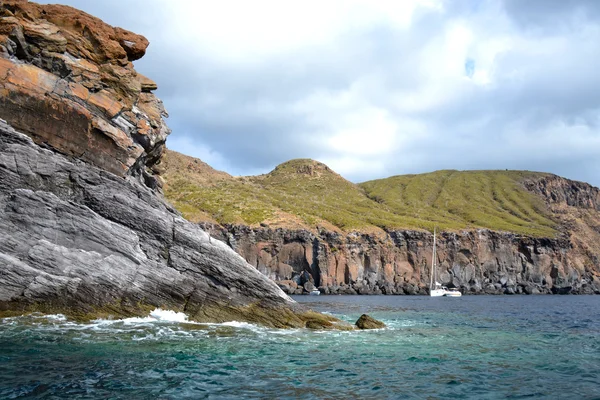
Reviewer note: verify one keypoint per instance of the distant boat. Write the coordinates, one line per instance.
(438, 290)
(315, 292)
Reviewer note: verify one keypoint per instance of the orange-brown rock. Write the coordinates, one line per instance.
(66, 79)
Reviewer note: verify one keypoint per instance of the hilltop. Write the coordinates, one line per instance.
(296, 194)
(307, 194)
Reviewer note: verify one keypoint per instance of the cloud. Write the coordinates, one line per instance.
(375, 89)
(551, 16)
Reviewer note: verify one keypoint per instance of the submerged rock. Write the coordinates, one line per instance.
(367, 322)
(318, 324)
(318, 321)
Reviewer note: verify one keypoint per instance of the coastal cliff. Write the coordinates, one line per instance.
(503, 232)
(399, 262)
(84, 229)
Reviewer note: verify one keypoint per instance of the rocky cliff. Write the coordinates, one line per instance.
(554, 246)
(399, 262)
(83, 228)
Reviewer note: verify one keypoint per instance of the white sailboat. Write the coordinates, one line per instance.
(438, 290)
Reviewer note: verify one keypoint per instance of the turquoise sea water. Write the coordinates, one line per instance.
(479, 347)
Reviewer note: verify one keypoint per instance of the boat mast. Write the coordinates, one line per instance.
(432, 262)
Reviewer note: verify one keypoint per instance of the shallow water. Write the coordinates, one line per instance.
(480, 347)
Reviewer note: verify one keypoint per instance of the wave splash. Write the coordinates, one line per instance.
(158, 315)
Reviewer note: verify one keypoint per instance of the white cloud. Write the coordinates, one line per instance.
(232, 31)
(375, 87)
(369, 132)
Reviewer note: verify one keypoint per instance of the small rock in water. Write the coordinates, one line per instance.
(367, 322)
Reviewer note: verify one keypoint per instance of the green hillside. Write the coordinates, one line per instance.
(307, 194)
(459, 199)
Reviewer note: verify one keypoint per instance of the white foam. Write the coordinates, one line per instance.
(135, 320)
(169, 315)
(158, 315)
(56, 317)
(50, 317)
(237, 324)
(241, 325)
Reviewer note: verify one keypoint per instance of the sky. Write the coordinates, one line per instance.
(375, 88)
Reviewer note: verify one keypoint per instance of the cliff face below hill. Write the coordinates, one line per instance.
(562, 257)
(399, 262)
(84, 230)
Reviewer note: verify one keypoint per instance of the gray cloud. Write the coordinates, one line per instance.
(550, 15)
(378, 99)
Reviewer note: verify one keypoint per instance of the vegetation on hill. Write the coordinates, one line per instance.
(459, 199)
(305, 193)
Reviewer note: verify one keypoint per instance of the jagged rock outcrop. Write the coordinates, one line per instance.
(78, 240)
(399, 262)
(80, 232)
(576, 207)
(67, 80)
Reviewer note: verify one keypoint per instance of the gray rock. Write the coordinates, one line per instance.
(411, 289)
(531, 289)
(79, 240)
(286, 288)
(509, 290)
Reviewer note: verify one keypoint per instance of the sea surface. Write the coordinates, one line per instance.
(473, 347)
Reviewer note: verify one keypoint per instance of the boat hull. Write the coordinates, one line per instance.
(437, 292)
(450, 293)
(444, 293)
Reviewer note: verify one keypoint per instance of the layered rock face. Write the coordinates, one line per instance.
(67, 80)
(399, 262)
(80, 233)
(78, 240)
